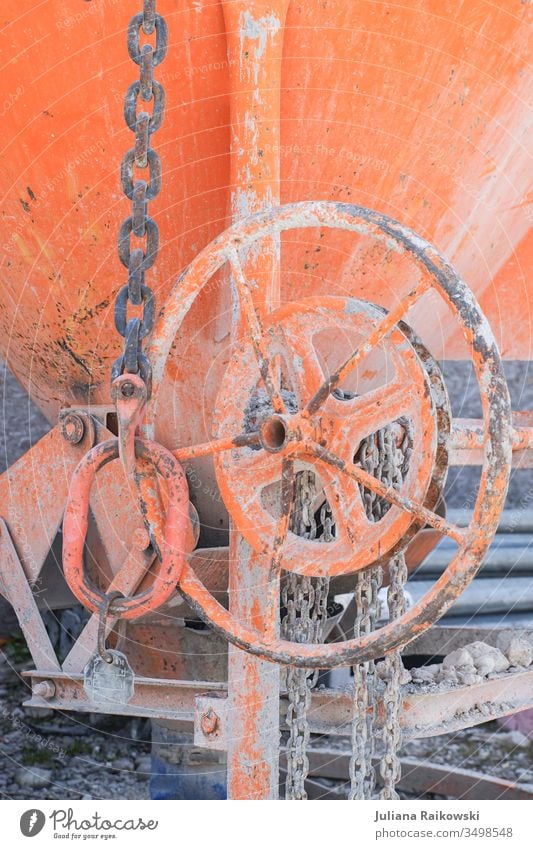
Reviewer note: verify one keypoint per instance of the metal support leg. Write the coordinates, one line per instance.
(253, 685)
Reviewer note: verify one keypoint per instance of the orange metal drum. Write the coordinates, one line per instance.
(416, 110)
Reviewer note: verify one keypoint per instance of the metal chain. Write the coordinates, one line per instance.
(140, 191)
(305, 601)
(391, 672)
(392, 666)
(380, 456)
(361, 769)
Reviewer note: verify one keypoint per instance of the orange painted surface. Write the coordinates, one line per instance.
(415, 109)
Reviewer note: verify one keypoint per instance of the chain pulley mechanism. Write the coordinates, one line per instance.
(335, 480)
(312, 424)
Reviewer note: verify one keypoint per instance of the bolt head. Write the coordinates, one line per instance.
(210, 722)
(140, 539)
(72, 428)
(127, 389)
(44, 689)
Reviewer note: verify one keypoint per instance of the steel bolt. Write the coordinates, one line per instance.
(140, 539)
(210, 722)
(72, 428)
(44, 689)
(127, 389)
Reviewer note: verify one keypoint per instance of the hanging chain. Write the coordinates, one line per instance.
(380, 456)
(392, 666)
(139, 191)
(391, 672)
(305, 601)
(361, 769)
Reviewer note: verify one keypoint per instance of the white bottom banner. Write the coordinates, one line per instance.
(358, 824)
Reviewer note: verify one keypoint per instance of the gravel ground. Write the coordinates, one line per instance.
(50, 755)
(67, 756)
(487, 748)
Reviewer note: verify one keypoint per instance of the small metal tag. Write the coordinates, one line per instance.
(109, 685)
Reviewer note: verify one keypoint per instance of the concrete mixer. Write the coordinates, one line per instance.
(239, 237)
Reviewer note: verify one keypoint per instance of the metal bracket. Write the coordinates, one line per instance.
(15, 588)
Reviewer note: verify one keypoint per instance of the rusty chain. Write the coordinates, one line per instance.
(381, 457)
(392, 670)
(305, 602)
(361, 769)
(392, 666)
(140, 191)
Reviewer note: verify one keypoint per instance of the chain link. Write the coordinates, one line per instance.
(361, 769)
(140, 191)
(305, 601)
(380, 456)
(392, 671)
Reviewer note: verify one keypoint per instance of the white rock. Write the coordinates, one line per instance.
(33, 776)
(405, 676)
(123, 765)
(518, 739)
(467, 677)
(458, 659)
(383, 672)
(448, 676)
(426, 674)
(486, 658)
(517, 650)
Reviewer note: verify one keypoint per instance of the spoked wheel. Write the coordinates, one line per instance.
(314, 411)
(301, 337)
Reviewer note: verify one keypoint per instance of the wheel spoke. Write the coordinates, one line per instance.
(378, 408)
(216, 446)
(303, 366)
(346, 506)
(391, 495)
(254, 325)
(378, 333)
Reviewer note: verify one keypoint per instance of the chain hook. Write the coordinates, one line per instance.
(129, 394)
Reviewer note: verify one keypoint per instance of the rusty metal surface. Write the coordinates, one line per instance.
(439, 143)
(467, 441)
(152, 697)
(211, 721)
(125, 583)
(255, 37)
(425, 714)
(253, 33)
(433, 271)
(140, 191)
(243, 476)
(173, 548)
(33, 492)
(14, 586)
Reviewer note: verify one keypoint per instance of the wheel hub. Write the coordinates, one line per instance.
(306, 341)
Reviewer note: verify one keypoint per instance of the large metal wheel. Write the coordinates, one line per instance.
(316, 430)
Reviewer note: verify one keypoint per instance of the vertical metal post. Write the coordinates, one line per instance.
(254, 31)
